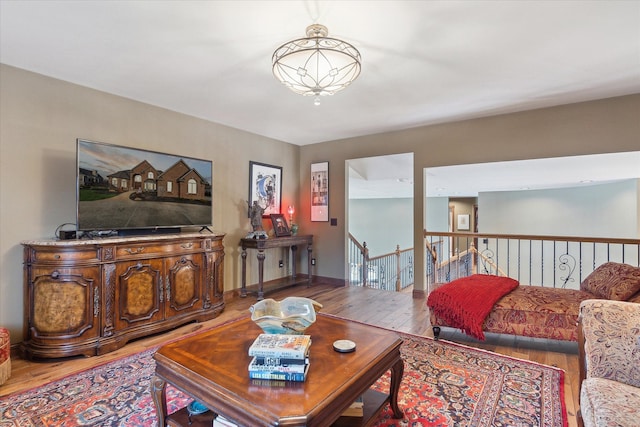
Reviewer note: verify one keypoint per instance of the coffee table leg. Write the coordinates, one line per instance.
(158, 386)
(396, 378)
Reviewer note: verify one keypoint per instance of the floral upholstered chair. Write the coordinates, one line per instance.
(609, 343)
(5, 355)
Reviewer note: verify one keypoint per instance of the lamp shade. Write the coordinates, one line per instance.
(316, 65)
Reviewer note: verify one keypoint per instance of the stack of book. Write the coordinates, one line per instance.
(221, 421)
(356, 409)
(280, 357)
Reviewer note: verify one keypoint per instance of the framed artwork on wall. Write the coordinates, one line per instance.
(463, 222)
(320, 191)
(265, 187)
(280, 227)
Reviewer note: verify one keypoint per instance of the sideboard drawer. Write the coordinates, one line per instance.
(143, 249)
(63, 255)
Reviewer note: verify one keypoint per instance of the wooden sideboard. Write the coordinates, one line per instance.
(91, 297)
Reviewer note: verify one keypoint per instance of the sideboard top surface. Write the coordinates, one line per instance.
(122, 239)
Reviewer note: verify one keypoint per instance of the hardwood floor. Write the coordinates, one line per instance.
(393, 310)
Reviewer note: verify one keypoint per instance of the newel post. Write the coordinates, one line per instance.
(397, 268)
(474, 258)
(365, 269)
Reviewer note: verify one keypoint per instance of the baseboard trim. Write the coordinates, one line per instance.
(419, 294)
(273, 285)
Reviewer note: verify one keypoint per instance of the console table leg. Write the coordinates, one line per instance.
(158, 387)
(260, 274)
(309, 275)
(243, 291)
(294, 251)
(396, 378)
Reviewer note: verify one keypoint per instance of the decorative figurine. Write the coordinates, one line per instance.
(255, 213)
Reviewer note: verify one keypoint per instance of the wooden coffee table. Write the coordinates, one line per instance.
(212, 368)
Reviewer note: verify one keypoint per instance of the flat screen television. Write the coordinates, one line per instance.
(133, 191)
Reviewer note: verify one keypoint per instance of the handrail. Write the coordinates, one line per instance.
(390, 271)
(356, 243)
(535, 237)
(558, 261)
(363, 257)
(399, 267)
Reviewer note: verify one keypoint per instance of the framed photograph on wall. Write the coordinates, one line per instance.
(265, 187)
(463, 222)
(320, 191)
(280, 227)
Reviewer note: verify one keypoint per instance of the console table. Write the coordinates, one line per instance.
(275, 242)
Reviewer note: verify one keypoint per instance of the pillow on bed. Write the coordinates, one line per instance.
(613, 281)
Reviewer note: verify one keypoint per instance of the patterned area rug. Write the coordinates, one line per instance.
(444, 384)
(447, 384)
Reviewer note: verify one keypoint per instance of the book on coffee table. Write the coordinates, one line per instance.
(356, 409)
(281, 374)
(281, 346)
(280, 361)
(285, 367)
(221, 421)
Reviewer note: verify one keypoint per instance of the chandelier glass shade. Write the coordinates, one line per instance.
(316, 65)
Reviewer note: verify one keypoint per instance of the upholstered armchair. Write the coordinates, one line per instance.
(609, 344)
(5, 355)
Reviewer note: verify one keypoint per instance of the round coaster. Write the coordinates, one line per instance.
(344, 346)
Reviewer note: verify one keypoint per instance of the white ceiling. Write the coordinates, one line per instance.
(392, 176)
(423, 62)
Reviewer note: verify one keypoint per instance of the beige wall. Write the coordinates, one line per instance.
(40, 119)
(603, 126)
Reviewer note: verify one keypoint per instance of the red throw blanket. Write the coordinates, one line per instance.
(466, 302)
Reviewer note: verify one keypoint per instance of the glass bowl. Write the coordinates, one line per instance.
(291, 316)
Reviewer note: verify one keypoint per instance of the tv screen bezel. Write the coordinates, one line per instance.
(168, 158)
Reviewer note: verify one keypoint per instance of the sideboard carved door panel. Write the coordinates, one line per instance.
(63, 304)
(183, 284)
(139, 293)
(216, 281)
(64, 307)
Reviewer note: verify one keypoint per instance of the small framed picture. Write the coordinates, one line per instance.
(280, 226)
(463, 222)
(320, 191)
(265, 187)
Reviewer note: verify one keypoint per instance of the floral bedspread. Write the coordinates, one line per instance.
(534, 311)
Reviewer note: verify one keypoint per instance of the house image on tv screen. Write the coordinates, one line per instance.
(178, 182)
(123, 188)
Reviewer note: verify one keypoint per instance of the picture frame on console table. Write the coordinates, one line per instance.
(265, 187)
(320, 192)
(280, 227)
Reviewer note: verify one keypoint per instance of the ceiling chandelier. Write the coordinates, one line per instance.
(316, 65)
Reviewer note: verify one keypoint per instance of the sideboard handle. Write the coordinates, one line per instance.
(187, 245)
(135, 251)
(55, 275)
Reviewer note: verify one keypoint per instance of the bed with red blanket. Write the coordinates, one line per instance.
(486, 303)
